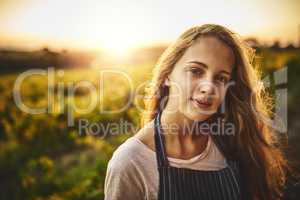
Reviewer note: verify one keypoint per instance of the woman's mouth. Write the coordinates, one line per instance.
(201, 103)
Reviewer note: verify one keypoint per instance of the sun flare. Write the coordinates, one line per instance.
(117, 48)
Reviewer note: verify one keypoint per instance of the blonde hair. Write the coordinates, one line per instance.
(262, 162)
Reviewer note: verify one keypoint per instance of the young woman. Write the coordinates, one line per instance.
(204, 132)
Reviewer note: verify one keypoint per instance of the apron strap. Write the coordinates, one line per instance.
(159, 142)
(223, 146)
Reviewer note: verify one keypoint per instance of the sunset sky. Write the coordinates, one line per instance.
(125, 24)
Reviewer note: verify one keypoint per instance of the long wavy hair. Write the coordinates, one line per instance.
(263, 164)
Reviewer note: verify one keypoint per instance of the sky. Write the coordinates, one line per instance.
(126, 24)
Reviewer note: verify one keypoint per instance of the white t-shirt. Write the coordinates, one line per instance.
(132, 171)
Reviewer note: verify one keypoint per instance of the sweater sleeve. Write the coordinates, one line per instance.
(122, 179)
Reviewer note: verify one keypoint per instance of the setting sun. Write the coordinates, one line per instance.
(118, 43)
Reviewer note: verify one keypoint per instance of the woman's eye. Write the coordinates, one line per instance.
(196, 72)
(223, 79)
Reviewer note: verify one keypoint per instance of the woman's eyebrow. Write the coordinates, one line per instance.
(225, 72)
(205, 66)
(199, 63)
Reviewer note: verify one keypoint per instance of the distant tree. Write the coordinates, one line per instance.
(46, 49)
(275, 45)
(64, 51)
(290, 46)
(253, 42)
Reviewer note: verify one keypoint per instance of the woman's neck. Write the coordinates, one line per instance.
(181, 136)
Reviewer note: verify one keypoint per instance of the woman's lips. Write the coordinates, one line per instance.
(201, 104)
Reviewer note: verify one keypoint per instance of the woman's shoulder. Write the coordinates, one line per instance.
(129, 170)
(137, 148)
(146, 135)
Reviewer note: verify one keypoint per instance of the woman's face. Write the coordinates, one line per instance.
(200, 78)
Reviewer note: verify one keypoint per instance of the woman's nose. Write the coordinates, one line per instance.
(207, 87)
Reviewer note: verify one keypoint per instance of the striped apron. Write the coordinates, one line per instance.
(188, 184)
